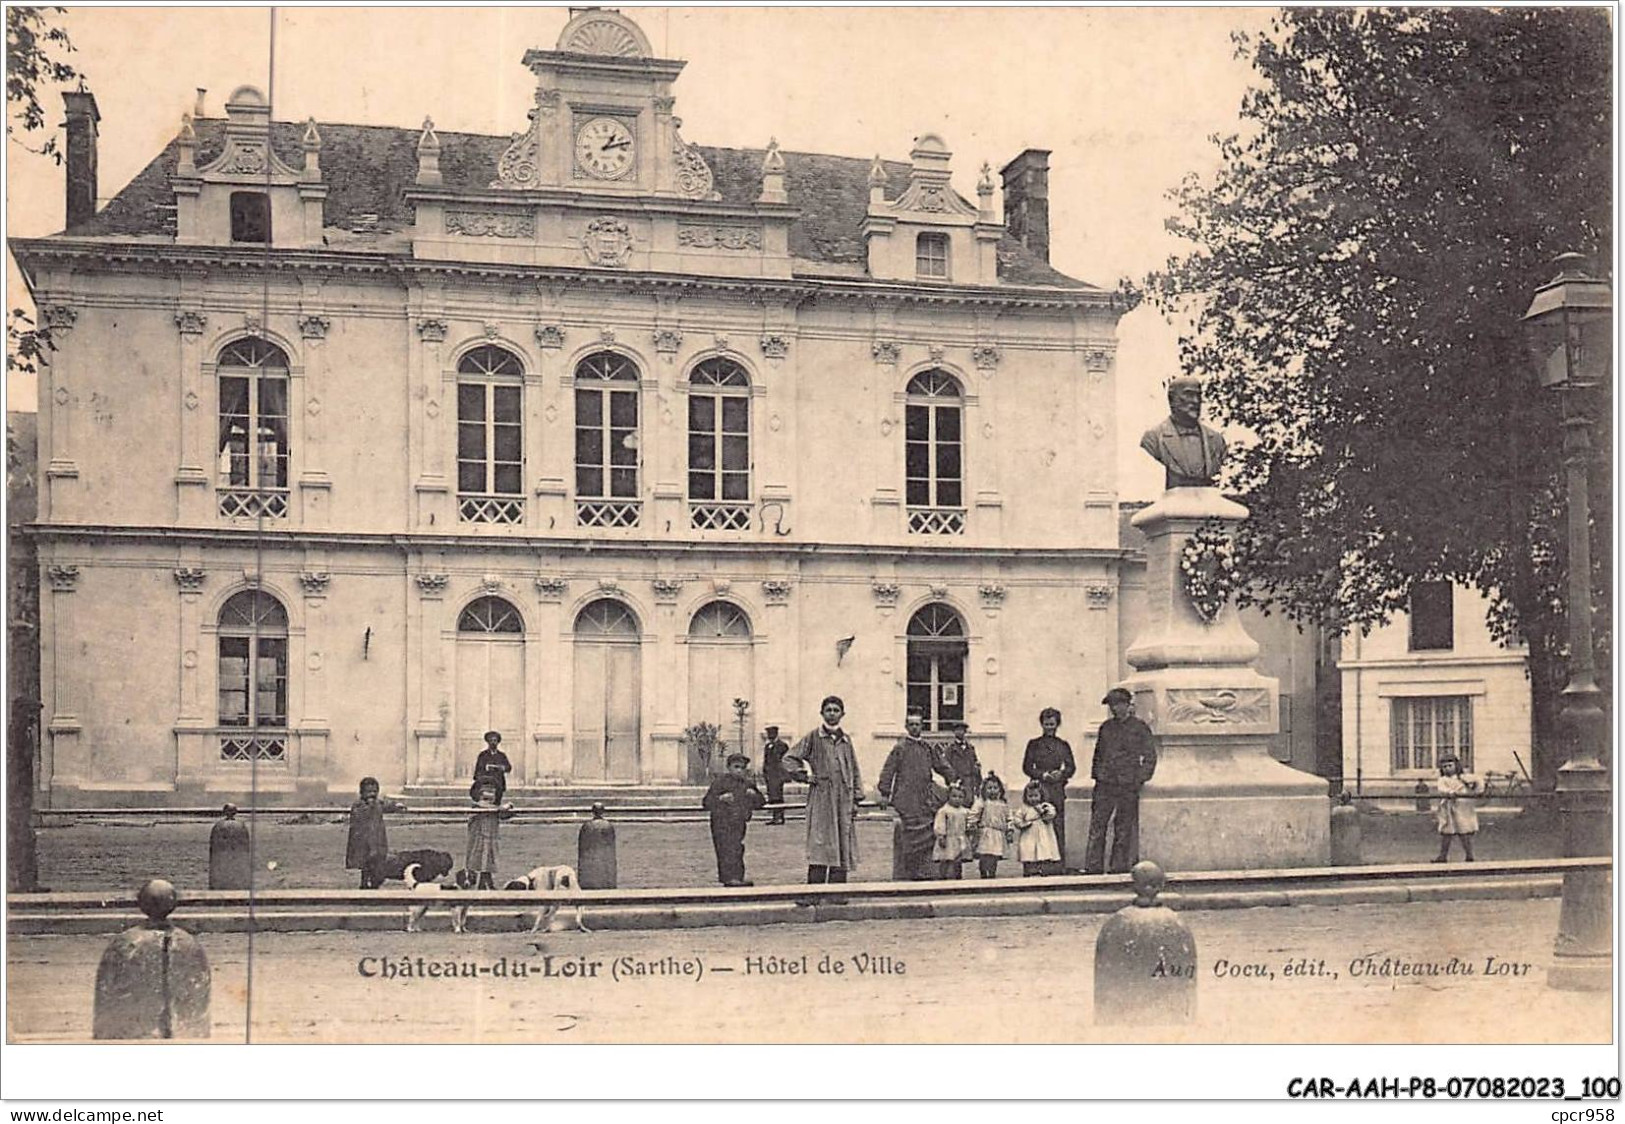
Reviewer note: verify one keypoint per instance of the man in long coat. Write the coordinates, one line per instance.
(773, 751)
(826, 761)
(906, 785)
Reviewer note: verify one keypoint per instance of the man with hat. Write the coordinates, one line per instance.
(825, 761)
(773, 751)
(491, 767)
(906, 786)
(1125, 757)
(730, 800)
(962, 760)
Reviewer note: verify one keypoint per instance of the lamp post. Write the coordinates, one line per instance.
(1570, 332)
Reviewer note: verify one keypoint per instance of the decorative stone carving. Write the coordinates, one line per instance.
(491, 224)
(603, 36)
(886, 593)
(252, 325)
(1099, 594)
(719, 236)
(490, 583)
(547, 102)
(433, 585)
(61, 396)
(775, 346)
(1097, 360)
(190, 323)
(519, 168)
(992, 595)
(1218, 706)
(314, 327)
(666, 589)
(606, 335)
(721, 585)
(58, 317)
(609, 585)
(607, 241)
(693, 173)
(313, 407)
(986, 357)
(776, 591)
(939, 592)
(492, 330)
(314, 582)
(189, 578)
(886, 351)
(937, 352)
(432, 330)
(551, 589)
(721, 341)
(665, 104)
(549, 336)
(191, 400)
(668, 340)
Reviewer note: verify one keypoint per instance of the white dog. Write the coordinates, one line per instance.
(415, 913)
(543, 879)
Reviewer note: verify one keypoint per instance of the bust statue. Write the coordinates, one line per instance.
(1189, 450)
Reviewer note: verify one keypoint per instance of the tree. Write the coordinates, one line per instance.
(1362, 260)
(35, 50)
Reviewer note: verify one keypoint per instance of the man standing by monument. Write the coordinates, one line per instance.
(773, 751)
(1190, 451)
(1125, 757)
(906, 786)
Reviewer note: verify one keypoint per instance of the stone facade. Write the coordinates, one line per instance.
(397, 611)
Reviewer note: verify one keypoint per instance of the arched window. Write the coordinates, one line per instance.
(252, 640)
(719, 620)
(607, 439)
(606, 619)
(719, 446)
(490, 436)
(490, 615)
(931, 256)
(252, 479)
(937, 652)
(933, 454)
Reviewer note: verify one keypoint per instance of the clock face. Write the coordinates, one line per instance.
(604, 148)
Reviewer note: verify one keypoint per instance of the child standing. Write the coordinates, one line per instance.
(952, 829)
(1033, 822)
(481, 860)
(731, 799)
(1458, 816)
(369, 842)
(990, 824)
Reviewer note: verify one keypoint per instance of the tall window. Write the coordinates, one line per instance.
(1432, 617)
(250, 216)
(719, 446)
(607, 439)
(490, 436)
(932, 453)
(937, 652)
(931, 256)
(1425, 728)
(252, 477)
(253, 674)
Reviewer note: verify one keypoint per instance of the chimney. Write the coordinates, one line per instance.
(1026, 200)
(81, 159)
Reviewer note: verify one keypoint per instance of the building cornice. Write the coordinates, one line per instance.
(77, 253)
(533, 545)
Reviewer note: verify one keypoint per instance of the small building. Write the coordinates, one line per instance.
(1431, 681)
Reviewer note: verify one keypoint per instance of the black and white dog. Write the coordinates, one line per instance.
(430, 888)
(544, 879)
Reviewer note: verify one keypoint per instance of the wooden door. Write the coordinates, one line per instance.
(490, 696)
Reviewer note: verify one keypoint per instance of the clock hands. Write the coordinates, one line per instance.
(624, 142)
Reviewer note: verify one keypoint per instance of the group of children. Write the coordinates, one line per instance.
(988, 829)
(368, 845)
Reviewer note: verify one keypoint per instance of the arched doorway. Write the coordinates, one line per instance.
(607, 727)
(490, 681)
(937, 653)
(720, 670)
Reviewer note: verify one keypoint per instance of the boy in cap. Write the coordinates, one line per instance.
(731, 799)
(1125, 758)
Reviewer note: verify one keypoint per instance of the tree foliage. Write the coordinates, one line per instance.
(1362, 260)
(36, 51)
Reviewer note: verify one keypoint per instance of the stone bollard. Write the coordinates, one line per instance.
(1145, 959)
(595, 852)
(153, 981)
(1345, 832)
(230, 862)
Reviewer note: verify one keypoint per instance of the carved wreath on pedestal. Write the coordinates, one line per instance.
(1207, 569)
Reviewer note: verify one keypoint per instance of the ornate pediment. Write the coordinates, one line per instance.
(604, 33)
(248, 155)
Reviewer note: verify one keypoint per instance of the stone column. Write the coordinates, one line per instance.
(61, 399)
(195, 720)
(1219, 800)
(197, 421)
(433, 763)
(311, 779)
(305, 419)
(69, 769)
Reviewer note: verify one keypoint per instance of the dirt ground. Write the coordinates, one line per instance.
(97, 854)
(1261, 975)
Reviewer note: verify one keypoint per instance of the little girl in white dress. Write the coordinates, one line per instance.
(1034, 823)
(990, 823)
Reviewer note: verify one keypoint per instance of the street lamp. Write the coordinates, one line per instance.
(1570, 332)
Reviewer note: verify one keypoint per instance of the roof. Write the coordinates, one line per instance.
(367, 167)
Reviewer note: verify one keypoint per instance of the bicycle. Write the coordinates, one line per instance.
(1509, 785)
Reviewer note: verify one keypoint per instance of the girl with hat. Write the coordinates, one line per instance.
(1458, 816)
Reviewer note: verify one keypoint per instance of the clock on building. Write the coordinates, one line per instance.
(604, 148)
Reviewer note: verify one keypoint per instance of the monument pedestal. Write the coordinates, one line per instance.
(1219, 800)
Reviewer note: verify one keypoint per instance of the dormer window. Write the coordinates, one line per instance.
(931, 256)
(250, 216)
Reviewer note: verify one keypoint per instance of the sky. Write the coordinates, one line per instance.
(1125, 98)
